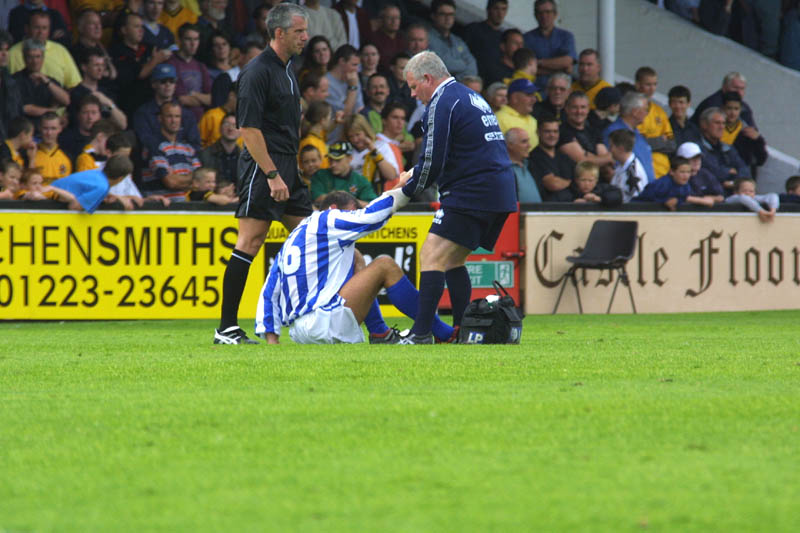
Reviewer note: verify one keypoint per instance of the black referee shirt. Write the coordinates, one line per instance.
(269, 99)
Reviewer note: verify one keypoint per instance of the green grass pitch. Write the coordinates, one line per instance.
(595, 423)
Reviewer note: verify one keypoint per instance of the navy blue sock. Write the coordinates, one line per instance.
(460, 288)
(431, 287)
(405, 297)
(374, 319)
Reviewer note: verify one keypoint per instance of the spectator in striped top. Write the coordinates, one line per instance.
(171, 163)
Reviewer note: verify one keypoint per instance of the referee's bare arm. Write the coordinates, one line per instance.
(257, 146)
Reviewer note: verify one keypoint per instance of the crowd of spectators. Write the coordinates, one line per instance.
(771, 27)
(84, 80)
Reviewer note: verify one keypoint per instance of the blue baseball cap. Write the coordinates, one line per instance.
(164, 71)
(521, 85)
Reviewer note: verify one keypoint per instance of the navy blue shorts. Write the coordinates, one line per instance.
(470, 229)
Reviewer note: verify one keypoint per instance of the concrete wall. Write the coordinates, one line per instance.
(683, 54)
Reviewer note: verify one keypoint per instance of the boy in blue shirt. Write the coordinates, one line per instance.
(90, 187)
(673, 189)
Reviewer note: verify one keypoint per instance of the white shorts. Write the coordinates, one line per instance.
(323, 326)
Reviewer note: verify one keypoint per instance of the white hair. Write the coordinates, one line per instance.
(730, 76)
(426, 62)
(632, 100)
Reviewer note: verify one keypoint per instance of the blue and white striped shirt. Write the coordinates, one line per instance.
(315, 261)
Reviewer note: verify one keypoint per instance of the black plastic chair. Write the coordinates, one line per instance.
(610, 246)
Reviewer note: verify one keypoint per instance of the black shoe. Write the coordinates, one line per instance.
(411, 338)
(392, 336)
(232, 335)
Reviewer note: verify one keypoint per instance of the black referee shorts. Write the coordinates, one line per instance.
(470, 229)
(254, 194)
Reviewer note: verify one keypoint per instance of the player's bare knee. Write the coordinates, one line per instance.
(359, 262)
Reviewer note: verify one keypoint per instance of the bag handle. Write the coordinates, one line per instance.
(499, 289)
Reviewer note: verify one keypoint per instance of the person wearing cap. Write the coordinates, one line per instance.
(145, 120)
(339, 176)
(702, 181)
(589, 80)
(606, 108)
(554, 47)
(517, 113)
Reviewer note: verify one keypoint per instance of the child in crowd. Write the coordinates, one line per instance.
(629, 173)
(226, 188)
(655, 127)
(204, 183)
(792, 194)
(50, 158)
(684, 130)
(10, 173)
(703, 182)
(19, 145)
(32, 187)
(585, 188)
(526, 65)
(126, 191)
(750, 144)
(673, 189)
(95, 154)
(744, 193)
(319, 121)
(310, 162)
(91, 187)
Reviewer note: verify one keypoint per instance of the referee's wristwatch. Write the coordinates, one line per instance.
(352, 87)
(272, 174)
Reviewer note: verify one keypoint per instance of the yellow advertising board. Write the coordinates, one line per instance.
(684, 262)
(147, 265)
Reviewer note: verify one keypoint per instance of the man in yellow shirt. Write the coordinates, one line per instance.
(176, 15)
(589, 81)
(517, 113)
(50, 158)
(58, 62)
(655, 127)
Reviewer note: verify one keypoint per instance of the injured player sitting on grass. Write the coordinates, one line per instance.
(316, 287)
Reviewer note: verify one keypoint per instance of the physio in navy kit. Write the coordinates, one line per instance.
(463, 151)
(269, 188)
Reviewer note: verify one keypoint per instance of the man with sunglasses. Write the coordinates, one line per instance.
(145, 120)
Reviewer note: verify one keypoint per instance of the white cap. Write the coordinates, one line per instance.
(688, 150)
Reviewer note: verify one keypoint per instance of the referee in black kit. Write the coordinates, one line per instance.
(269, 188)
